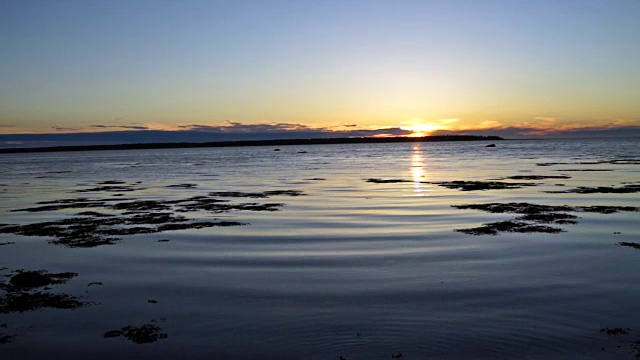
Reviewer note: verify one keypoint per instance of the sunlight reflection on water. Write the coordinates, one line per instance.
(417, 170)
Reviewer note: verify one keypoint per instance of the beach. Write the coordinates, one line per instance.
(446, 250)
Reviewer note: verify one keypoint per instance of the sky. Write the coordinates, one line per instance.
(328, 68)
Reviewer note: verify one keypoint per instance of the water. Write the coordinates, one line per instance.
(353, 268)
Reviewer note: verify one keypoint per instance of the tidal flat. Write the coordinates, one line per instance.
(342, 251)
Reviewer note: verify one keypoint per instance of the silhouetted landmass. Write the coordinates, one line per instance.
(281, 142)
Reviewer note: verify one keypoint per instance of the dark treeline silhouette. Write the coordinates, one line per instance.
(280, 142)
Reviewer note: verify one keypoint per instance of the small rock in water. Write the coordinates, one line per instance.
(30, 279)
(615, 331)
(630, 244)
(490, 145)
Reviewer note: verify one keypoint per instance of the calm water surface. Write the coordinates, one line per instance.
(353, 268)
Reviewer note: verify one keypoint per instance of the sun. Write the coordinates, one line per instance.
(419, 129)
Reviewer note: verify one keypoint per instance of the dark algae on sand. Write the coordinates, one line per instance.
(144, 334)
(533, 218)
(129, 216)
(31, 290)
(105, 221)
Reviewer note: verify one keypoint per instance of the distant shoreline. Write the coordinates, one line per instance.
(277, 142)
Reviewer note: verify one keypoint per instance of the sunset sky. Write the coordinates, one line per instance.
(520, 68)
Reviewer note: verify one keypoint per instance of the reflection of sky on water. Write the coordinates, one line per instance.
(418, 172)
(349, 256)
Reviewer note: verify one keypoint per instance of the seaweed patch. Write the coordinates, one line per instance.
(73, 203)
(626, 332)
(599, 162)
(535, 177)
(615, 331)
(387, 181)
(264, 194)
(90, 232)
(627, 161)
(552, 163)
(22, 293)
(111, 188)
(585, 170)
(145, 334)
(509, 226)
(6, 338)
(630, 244)
(129, 216)
(625, 189)
(183, 186)
(481, 185)
(533, 218)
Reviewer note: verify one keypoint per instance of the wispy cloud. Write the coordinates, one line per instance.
(229, 131)
(236, 127)
(286, 129)
(6, 125)
(61, 128)
(548, 127)
(127, 127)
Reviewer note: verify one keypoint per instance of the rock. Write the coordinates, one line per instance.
(30, 279)
(491, 145)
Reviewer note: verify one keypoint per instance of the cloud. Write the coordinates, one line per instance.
(6, 125)
(546, 120)
(236, 131)
(230, 131)
(570, 131)
(236, 127)
(60, 128)
(286, 131)
(128, 127)
(549, 127)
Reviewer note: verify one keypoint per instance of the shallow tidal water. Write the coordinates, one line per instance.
(362, 261)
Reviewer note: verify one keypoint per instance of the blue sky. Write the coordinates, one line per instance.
(440, 65)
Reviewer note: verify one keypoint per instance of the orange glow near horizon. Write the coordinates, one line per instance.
(419, 129)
